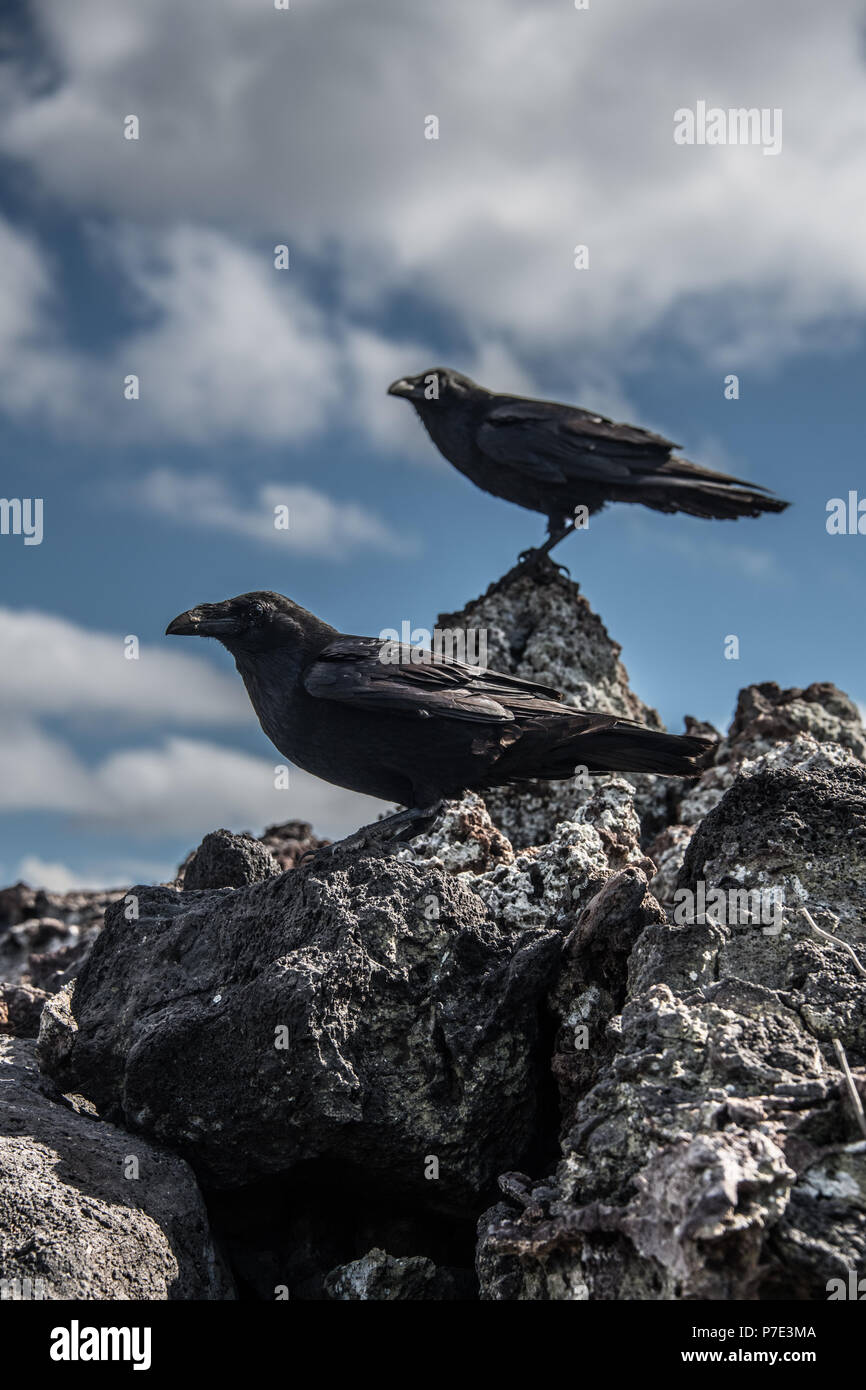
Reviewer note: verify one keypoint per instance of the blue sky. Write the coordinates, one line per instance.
(307, 128)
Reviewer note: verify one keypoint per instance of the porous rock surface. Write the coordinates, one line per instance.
(709, 1146)
(380, 1277)
(44, 937)
(88, 1211)
(813, 729)
(361, 1009)
(226, 860)
(20, 1009)
(547, 632)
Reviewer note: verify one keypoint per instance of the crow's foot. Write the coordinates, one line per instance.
(538, 563)
(531, 564)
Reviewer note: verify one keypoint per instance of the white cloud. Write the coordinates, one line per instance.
(228, 349)
(192, 786)
(372, 362)
(180, 786)
(40, 771)
(235, 348)
(52, 666)
(317, 525)
(55, 877)
(36, 372)
(39, 873)
(556, 127)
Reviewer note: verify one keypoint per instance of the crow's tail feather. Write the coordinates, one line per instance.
(633, 748)
(621, 746)
(681, 486)
(714, 504)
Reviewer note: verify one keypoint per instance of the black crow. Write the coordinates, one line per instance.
(555, 458)
(408, 725)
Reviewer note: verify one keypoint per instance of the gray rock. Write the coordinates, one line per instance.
(20, 1008)
(381, 1277)
(798, 832)
(767, 715)
(226, 860)
(463, 839)
(39, 950)
(75, 1223)
(709, 1150)
(316, 1042)
(550, 884)
(362, 1010)
(813, 729)
(45, 937)
(548, 632)
(290, 841)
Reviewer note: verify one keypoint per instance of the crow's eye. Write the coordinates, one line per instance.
(257, 610)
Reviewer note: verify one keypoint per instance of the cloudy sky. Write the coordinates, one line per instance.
(306, 128)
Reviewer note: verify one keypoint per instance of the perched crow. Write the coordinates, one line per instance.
(554, 458)
(409, 726)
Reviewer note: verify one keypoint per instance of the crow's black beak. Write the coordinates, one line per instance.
(205, 621)
(184, 625)
(403, 387)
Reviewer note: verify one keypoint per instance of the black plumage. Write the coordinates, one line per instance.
(410, 727)
(553, 458)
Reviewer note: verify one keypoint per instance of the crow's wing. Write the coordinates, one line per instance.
(410, 680)
(561, 443)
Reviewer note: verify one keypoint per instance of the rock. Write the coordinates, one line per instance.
(680, 1167)
(46, 937)
(364, 1011)
(592, 983)
(48, 946)
(767, 715)
(35, 925)
(548, 633)
(74, 1222)
(550, 884)
(51, 970)
(225, 860)
(463, 839)
(382, 1277)
(289, 842)
(20, 1008)
(709, 1150)
(798, 831)
(816, 728)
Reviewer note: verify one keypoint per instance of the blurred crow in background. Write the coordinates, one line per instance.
(554, 458)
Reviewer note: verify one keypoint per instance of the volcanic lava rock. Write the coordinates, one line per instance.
(20, 1008)
(463, 839)
(709, 1148)
(813, 729)
(547, 632)
(89, 1212)
(361, 1010)
(290, 841)
(382, 1277)
(226, 860)
(566, 991)
(35, 925)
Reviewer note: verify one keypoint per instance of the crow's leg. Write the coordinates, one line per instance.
(536, 563)
(395, 829)
(532, 558)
